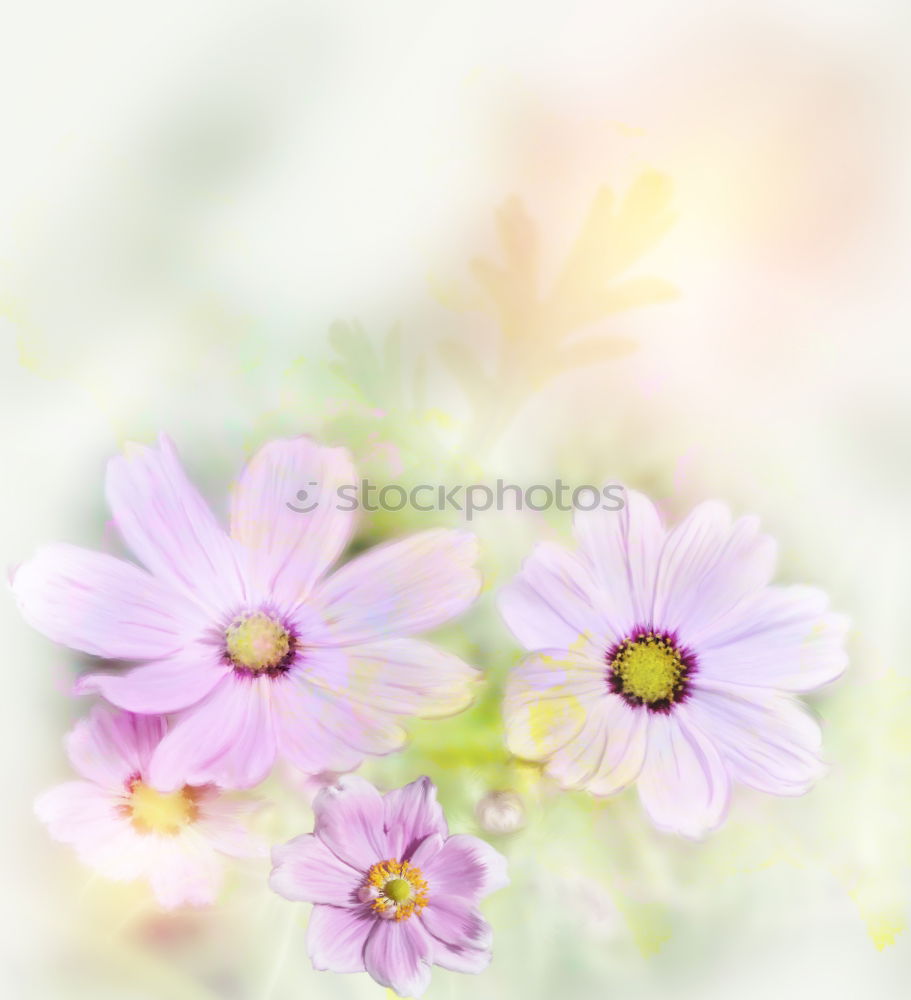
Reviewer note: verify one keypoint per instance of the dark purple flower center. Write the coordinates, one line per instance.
(650, 669)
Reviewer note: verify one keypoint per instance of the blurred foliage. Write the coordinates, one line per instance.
(546, 331)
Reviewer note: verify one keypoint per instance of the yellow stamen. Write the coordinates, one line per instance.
(161, 812)
(649, 669)
(257, 642)
(401, 889)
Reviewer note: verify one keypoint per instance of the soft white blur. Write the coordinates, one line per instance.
(191, 193)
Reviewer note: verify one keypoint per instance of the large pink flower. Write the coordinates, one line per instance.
(243, 635)
(394, 893)
(663, 657)
(125, 829)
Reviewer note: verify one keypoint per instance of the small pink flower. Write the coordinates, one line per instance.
(394, 893)
(663, 657)
(125, 829)
(244, 635)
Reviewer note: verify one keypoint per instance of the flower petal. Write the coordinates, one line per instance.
(110, 747)
(627, 741)
(90, 819)
(428, 848)
(683, 786)
(608, 753)
(397, 955)
(768, 740)
(292, 540)
(547, 699)
(554, 604)
(398, 676)
(336, 938)
(169, 685)
(411, 814)
(318, 731)
(783, 637)
(464, 866)
(170, 528)
(306, 871)
(101, 605)
(349, 820)
(456, 920)
(231, 838)
(457, 959)
(183, 871)
(228, 739)
(707, 567)
(219, 823)
(77, 811)
(401, 587)
(622, 549)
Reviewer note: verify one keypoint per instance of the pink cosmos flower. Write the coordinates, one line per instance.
(663, 657)
(394, 893)
(125, 829)
(242, 634)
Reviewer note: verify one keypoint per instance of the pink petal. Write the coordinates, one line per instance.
(101, 605)
(464, 866)
(169, 685)
(170, 528)
(411, 814)
(768, 740)
(110, 747)
(306, 871)
(90, 819)
(783, 637)
(457, 959)
(78, 811)
(547, 699)
(456, 921)
(397, 955)
(227, 739)
(622, 549)
(318, 731)
(183, 871)
(608, 753)
(349, 820)
(707, 567)
(555, 603)
(398, 676)
(227, 836)
(428, 849)
(401, 587)
(336, 938)
(683, 786)
(291, 549)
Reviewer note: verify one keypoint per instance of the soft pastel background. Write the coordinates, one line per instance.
(193, 195)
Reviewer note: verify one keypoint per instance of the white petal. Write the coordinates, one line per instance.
(622, 548)
(683, 786)
(783, 637)
(292, 540)
(547, 699)
(554, 604)
(768, 740)
(400, 587)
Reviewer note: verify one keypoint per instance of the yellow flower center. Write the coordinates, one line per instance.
(152, 811)
(400, 889)
(649, 670)
(257, 642)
